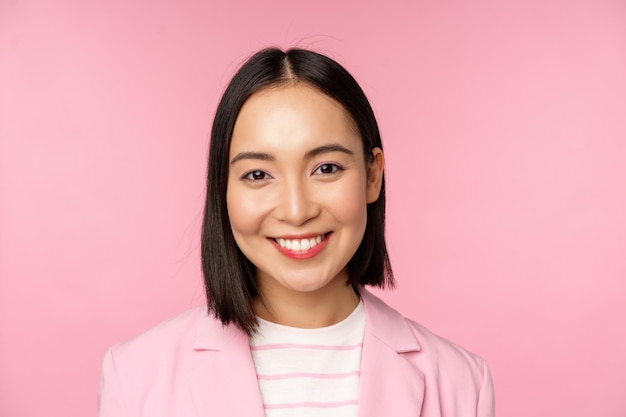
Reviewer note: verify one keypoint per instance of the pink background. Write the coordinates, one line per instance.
(505, 132)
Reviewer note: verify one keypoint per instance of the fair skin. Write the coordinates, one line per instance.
(297, 195)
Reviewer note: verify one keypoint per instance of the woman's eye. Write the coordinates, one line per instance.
(327, 169)
(256, 176)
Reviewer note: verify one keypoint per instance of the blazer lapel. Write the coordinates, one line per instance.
(389, 385)
(225, 383)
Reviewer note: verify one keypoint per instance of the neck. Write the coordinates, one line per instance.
(308, 310)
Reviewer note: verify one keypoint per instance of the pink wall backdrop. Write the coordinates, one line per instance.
(505, 133)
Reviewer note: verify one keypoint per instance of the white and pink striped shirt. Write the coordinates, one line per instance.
(310, 372)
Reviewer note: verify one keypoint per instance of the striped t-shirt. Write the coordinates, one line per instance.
(310, 372)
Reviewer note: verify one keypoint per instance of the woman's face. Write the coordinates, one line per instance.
(298, 187)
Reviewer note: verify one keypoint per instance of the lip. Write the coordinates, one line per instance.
(307, 254)
(301, 236)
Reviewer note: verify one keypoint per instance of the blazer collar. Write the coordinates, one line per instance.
(211, 334)
(383, 322)
(387, 325)
(225, 383)
(390, 385)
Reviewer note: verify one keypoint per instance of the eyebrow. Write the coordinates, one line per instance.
(333, 147)
(252, 155)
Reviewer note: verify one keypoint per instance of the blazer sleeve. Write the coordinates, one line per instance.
(486, 400)
(110, 398)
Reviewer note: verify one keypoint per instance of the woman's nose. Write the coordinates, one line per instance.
(296, 204)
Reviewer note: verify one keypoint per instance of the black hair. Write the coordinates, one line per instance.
(229, 277)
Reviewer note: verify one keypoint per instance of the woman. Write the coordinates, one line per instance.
(293, 231)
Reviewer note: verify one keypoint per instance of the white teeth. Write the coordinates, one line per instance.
(299, 245)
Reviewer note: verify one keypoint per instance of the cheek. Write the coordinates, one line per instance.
(355, 212)
(350, 204)
(242, 213)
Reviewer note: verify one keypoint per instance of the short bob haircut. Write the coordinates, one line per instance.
(229, 277)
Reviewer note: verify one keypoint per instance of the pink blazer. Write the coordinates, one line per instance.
(192, 366)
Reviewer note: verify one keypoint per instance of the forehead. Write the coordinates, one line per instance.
(292, 115)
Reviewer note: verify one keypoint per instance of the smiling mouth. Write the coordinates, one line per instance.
(300, 245)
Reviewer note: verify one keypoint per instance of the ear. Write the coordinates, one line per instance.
(375, 175)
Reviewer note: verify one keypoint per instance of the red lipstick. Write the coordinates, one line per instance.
(305, 254)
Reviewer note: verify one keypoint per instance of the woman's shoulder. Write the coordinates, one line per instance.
(423, 345)
(447, 353)
(169, 335)
(147, 371)
(457, 380)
